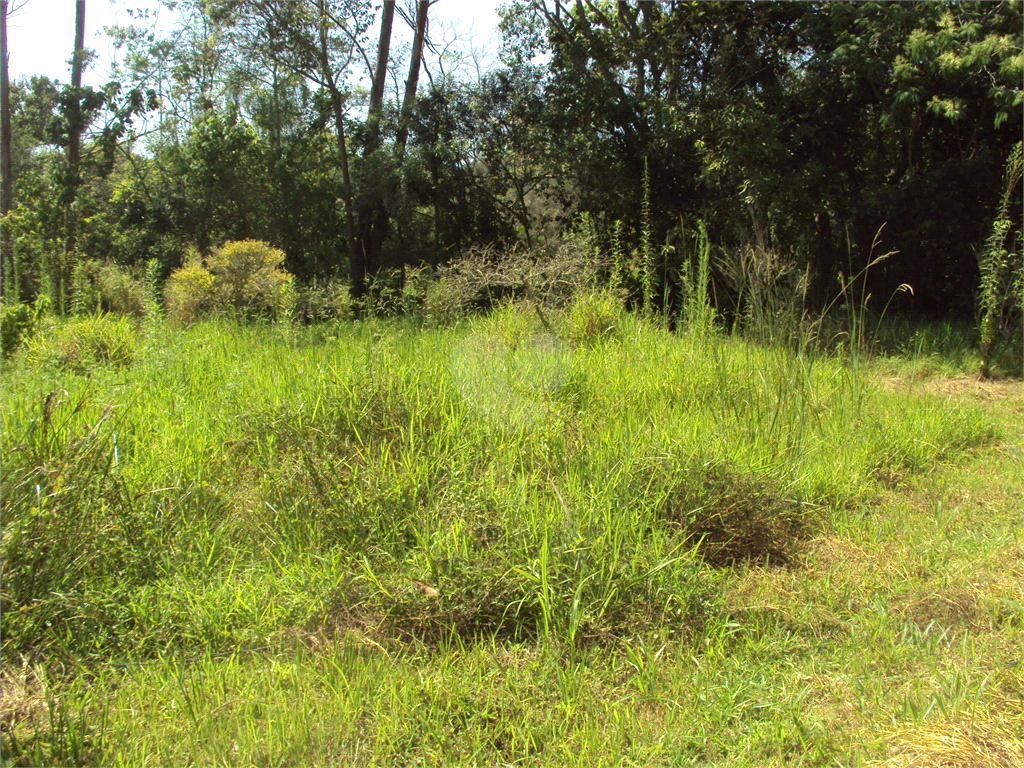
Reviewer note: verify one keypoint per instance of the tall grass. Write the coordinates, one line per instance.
(238, 481)
(373, 541)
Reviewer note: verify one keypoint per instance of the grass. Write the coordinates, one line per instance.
(380, 543)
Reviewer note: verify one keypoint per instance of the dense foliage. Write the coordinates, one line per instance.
(810, 138)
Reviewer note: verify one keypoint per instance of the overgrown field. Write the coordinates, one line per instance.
(504, 542)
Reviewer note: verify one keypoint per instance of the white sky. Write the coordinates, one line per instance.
(41, 35)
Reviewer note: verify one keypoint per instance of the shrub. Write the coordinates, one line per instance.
(447, 300)
(120, 293)
(416, 283)
(248, 278)
(106, 287)
(594, 318)
(547, 277)
(85, 293)
(1009, 356)
(16, 324)
(80, 344)
(318, 302)
(383, 294)
(190, 293)
(241, 277)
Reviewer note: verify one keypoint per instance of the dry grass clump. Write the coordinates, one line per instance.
(544, 277)
(956, 607)
(21, 698)
(991, 742)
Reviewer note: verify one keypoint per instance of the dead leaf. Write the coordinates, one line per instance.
(426, 589)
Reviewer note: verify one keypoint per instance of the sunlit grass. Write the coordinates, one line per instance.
(381, 543)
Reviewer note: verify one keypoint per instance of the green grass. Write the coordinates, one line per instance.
(389, 544)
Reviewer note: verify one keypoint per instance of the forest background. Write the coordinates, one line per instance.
(809, 138)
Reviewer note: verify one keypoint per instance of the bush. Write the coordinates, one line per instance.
(78, 345)
(248, 278)
(100, 287)
(446, 301)
(242, 277)
(1001, 263)
(190, 293)
(319, 302)
(594, 318)
(1009, 356)
(383, 294)
(16, 324)
(120, 293)
(547, 277)
(414, 288)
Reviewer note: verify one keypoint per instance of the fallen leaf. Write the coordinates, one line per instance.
(426, 589)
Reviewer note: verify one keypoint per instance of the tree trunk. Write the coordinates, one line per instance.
(380, 74)
(373, 221)
(357, 266)
(7, 187)
(75, 128)
(7, 181)
(414, 75)
(823, 262)
(650, 11)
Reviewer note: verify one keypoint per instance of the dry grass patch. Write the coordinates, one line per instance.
(22, 700)
(838, 562)
(990, 742)
(830, 553)
(798, 599)
(1007, 391)
(957, 606)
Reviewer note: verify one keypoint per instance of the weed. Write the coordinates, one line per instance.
(594, 318)
(79, 345)
(1002, 279)
(17, 323)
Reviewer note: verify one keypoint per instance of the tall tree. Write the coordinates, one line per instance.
(785, 125)
(373, 218)
(415, 60)
(314, 39)
(380, 73)
(76, 126)
(6, 179)
(7, 188)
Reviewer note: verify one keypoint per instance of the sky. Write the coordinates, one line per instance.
(41, 35)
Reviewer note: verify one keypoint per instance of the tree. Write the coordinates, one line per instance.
(6, 179)
(374, 216)
(380, 73)
(787, 125)
(76, 125)
(316, 40)
(416, 57)
(7, 185)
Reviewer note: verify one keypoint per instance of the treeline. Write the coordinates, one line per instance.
(808, 138)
